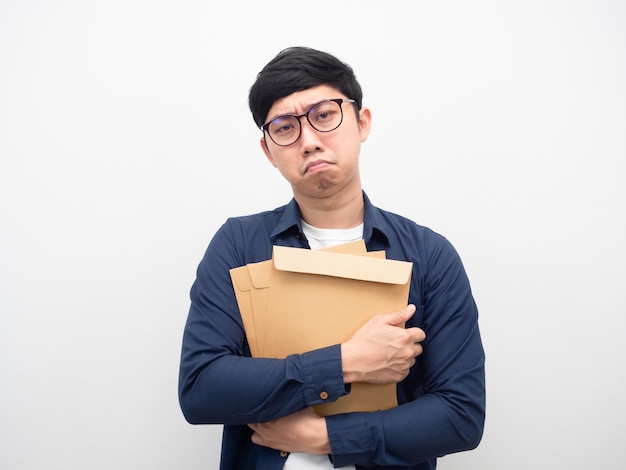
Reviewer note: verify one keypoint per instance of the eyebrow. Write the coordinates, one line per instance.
(307, 107)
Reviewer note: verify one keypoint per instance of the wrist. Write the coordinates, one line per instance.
(322, 443)
(348, 365)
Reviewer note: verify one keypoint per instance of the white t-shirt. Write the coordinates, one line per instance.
(321, 238)
(325, 237)
(302, 461)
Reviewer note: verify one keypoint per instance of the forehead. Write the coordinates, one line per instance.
(301, 101)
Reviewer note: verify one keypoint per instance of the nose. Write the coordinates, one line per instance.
(309, 137)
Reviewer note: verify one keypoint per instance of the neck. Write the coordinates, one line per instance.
(337, 212)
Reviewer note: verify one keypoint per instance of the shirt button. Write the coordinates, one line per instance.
(283, 454)
(324, 395)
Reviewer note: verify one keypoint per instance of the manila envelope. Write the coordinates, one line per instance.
(251, 283)
(319, 298)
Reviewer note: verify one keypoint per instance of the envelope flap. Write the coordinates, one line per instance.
(342, 265)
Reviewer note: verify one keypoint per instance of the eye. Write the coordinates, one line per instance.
(322, 116)
(322, 113)
(325, 115)
(282, 125)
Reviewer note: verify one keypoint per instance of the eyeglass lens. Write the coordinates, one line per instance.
(323, 117)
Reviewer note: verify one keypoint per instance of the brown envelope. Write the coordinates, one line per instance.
(318, 299)
(251, 284)
(303, 300)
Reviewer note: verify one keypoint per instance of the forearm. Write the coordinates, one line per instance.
(414, 432)
(242, 390)
(446, 416)
(303, 431)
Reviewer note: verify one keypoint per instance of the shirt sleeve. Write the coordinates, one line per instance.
(219, 383)
(442, 400)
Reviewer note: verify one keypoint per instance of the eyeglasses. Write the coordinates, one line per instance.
(325, 116)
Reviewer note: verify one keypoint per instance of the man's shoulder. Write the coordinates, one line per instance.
(259, 227)
(409, 239)
(257, 217)
(248, 238)
(402, 222)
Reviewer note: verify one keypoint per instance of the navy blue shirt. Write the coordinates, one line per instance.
(441, 403)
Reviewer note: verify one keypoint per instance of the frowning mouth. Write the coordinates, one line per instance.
(317, 165)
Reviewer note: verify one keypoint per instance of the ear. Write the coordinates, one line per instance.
(267, 152)
(365, 123)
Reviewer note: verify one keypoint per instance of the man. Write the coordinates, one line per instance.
(309, 106)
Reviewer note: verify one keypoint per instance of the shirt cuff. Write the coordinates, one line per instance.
(323, 375)
(350, 438)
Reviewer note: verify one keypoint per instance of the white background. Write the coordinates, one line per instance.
(125, 142)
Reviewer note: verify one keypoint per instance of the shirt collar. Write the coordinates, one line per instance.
(289, 221)
(374, 224)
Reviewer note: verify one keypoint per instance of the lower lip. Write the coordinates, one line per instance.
(318, 167)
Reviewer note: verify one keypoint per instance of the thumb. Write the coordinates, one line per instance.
(399, 317)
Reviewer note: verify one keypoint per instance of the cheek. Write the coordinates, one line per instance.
(283, 168)
(353, 149)
(283, 163)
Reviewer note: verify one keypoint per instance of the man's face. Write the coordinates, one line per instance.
(319, 164)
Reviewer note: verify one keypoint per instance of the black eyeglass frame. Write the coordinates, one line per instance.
(339, 101)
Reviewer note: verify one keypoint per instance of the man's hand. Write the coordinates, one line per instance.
(303, 431)
(380, 351)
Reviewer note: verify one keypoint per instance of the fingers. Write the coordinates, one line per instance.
(258, 434)
(418, 334)
(400, 317)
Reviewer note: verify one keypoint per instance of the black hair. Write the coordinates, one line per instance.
(296, 69)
